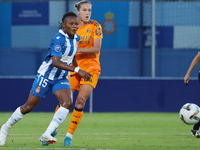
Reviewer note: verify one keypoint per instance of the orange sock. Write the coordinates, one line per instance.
(58, 106)
(75, 120)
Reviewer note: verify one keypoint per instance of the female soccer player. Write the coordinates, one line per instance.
(90, 32)
(52, 75)
(195, 130)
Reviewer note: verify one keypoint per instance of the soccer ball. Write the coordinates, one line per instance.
(189, 113)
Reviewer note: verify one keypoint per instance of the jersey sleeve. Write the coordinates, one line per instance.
(56, 45)
(98, 31)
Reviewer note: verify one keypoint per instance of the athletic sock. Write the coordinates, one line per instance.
(58, 118)
(75, 120)
(15, 117)
(69, 135)
(196, 126)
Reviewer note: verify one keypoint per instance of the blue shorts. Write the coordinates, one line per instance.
(42, 85)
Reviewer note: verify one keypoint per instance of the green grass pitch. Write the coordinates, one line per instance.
(105, 131)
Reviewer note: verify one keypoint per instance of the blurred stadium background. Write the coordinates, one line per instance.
(147, 48)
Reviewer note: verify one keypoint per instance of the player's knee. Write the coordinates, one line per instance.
(26, 109)
(66, 103)
(81, 101)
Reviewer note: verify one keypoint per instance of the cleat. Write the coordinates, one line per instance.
(49, 139)
(3, 135)
(45, 143)
(195, 133)
(67, 141)
(54, 133)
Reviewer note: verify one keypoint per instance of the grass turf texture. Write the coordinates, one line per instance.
(121, 131)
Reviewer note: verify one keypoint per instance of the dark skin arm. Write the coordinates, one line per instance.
(74, 62)
(61, 65)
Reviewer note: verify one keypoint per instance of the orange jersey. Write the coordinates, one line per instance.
(89, 62)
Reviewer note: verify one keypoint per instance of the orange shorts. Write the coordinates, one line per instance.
(76, 80)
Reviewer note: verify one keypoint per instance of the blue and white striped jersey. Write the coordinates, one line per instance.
(61, 46)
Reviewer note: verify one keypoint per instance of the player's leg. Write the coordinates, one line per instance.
(74, 83)
(85, 89)
(84, 93)
(34, 98)
(54, 133)
(195, 130)
(64, 94)
(17, 115)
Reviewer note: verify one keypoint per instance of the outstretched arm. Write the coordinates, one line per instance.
(195, 61)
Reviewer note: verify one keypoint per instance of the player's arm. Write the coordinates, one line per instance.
(92, 50)
(61, 65)
(195, 61)
(74, 62)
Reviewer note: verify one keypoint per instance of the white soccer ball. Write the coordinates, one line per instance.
(189, 113)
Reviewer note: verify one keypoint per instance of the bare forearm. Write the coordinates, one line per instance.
(61, 65)
(91, 50)
(192, 66)
(75, 62)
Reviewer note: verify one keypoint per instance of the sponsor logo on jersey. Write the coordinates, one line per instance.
(57, 48)
(57, 37)
(37, 90)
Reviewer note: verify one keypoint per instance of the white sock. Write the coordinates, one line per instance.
(69, 135)
(58, 118)
(15, 117)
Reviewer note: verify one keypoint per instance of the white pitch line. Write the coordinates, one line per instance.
(91, 134)
(99, 134)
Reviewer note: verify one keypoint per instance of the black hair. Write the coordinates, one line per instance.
(78, 5)
(68, 14)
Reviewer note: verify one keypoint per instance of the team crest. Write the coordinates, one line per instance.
(37, 90)
(109, 25)
(88, 30)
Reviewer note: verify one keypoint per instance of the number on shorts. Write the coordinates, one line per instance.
(43, 82)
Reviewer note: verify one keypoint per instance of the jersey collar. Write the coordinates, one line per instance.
(63, 33)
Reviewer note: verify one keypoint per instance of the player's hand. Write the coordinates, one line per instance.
(86, 75)
(186, 79)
